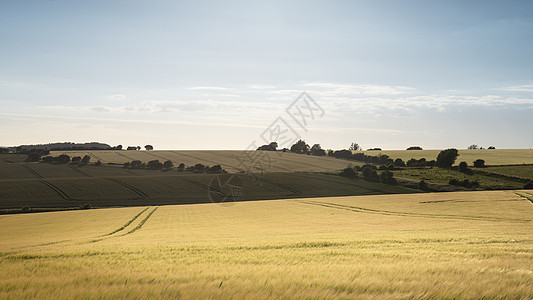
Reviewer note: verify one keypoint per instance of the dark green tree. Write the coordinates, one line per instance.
(300, 147)
(446, 158)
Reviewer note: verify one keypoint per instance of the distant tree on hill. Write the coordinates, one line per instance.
(118, 147)
(317, 150)
(155, 165)
(199, 168)
(373, 149)
(473, 147)
(48, 159)
(148, 147)
(491, 147)
(168, 165)
(136, 164)
(62, 159)
(446, 158)
(348, 172)
(354, 147)
(300, 147)
(414, 148)
(270, 147)
(216, 169)
(138, 148)
(131, 148)
(479, 163)
(76, 159)
(181, 167)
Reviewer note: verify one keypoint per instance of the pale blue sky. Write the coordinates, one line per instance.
(214, 75)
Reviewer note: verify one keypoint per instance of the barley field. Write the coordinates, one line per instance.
(491, 157)
(436, 245)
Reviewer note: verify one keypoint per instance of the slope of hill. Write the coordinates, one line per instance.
(447, 245)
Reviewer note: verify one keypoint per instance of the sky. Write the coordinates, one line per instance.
(218, 74)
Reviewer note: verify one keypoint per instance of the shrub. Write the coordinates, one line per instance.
(216, 169)
(168, 165)
(422, 185)
(348, 172)
(155, 165)
(369, 173)
(181, 167)
(48, 159)
(136, 164)
(399, 162)
(387, 177)
(98, 163)
(76, 159)
(479, 163)
(463, 167)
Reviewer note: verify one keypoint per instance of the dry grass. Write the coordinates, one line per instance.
(445, 245)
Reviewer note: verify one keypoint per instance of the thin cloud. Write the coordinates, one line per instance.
(520, 88)
(209, 88)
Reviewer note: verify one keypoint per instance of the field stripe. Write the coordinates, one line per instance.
(406, 214)
(127, 223)
(58, 190)
(31, 170)
(95, 156)
(130, 187)
(525, 196)
(140, 225)
(79, 171)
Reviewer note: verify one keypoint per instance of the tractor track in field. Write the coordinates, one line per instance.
(125, 156)
(58, 190)
(31, 170)
(127, 223)
(285, 187)
(526, 197)
(406, 214)
(137, 191)
(95, 156)
(76, 169)
(140, 225)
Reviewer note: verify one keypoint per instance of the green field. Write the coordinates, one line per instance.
(443, 245)
(491, 157)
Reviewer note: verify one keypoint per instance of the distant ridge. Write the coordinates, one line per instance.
(64, 146)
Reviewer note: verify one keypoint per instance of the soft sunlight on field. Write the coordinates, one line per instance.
(491, 157)
(451, 245)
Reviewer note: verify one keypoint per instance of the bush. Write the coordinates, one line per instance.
(86, 159)
(33, 156)
(48, 159)
(168, 165)
(155, 165)
(348, 172)
(422, 185)
(76, 159)
(136, 164)
(463, 167)
(98, 163)
(62, 159)
(464, 183)
(181, 167)
(369, 173)
(216, 169)
(479, 163)
(387, 177)
(199, 168)
(399, 162)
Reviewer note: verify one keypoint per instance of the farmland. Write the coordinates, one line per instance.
(491, 157)
(444, 245)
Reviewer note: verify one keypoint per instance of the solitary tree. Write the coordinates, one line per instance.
(463, 167)
(473, 147)
(446, 158)
(354, 147)
(414, 148)
(149, 147)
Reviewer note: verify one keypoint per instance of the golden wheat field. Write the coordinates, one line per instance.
(442, 245)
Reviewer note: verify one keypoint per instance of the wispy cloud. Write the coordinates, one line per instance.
(520, 88)
(209, 88)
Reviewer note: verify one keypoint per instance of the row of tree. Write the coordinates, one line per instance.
(168, 165)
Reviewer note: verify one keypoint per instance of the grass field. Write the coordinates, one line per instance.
(517, 171)
(491, 157)
(444, 245)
